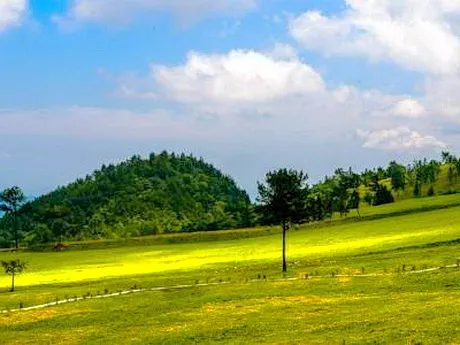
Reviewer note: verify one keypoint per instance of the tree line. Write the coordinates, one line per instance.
(164, 193)
(169, 193)
(285, 198)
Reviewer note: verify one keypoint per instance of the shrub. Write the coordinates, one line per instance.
(382, 195)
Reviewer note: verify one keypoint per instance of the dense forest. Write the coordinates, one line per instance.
(169, 193)
(163, 194)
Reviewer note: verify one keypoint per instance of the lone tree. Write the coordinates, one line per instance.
(12, 268)
(11, 200)
(283, 200)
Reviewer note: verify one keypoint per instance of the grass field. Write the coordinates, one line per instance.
(393, 307)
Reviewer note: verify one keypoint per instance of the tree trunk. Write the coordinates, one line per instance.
(15, 226)
(284, 247)
(12, 282)
(359, 214)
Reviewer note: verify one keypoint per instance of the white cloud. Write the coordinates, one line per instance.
(246, 97)
(11, 13)
(274, 94)
(109, 11)
(91, 122)
(399, 139)
(442, 96)
(239, 76)
(415, 34)
(283, 51)
(278, 92)
(409, 108)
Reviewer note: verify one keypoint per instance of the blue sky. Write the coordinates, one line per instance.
(250, 85)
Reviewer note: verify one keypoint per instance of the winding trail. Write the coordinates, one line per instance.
(163, 288)
(115, 294)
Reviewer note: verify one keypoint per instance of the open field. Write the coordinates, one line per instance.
(390, 310)
(394, 307)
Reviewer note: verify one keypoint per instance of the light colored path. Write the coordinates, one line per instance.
(163, 288)
(121, 293)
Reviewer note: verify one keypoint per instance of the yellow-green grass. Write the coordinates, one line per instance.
(406, 206)
(342, 239)
(315, 249)
(399, 309)
(395, 307)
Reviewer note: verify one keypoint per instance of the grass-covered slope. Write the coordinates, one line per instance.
(395, 310)
(395, 306)
(163, 194)
(388, 304)
(446, 183)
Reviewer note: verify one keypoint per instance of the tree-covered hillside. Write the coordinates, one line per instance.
(168, 193)
(163, 194)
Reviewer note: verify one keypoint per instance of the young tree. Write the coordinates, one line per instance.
(13, 268)
(11, 200)
(345, 192)
(283, 200)
(60, 225)
(355, 201)
(397, 174)
(382, 195)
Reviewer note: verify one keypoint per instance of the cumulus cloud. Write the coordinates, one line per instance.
(415, 34)
(270, 92)
(241, 98)
(399, 139)
(409, 108)
(11, 13)
(123, 11)
(239, 76)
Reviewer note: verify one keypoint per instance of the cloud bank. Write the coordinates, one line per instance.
(419, 35)
(124, 11)
(12, 13)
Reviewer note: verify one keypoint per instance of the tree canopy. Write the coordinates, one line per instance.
(13, 268)
(283, 199)
(165, 193)
(11, 200)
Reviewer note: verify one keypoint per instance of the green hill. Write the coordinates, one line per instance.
(166, 193)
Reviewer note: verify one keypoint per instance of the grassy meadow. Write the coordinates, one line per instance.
(393, 307)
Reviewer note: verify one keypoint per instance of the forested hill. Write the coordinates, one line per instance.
(162, 194)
